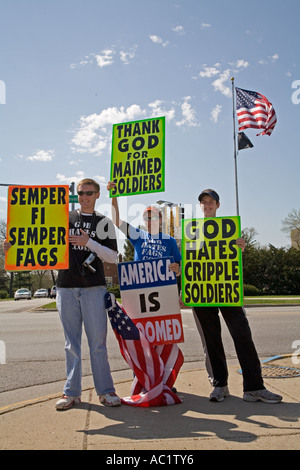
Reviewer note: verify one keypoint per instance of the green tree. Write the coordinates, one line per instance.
(3, 275)
(272, 270)
(128, 251)
(291, 224)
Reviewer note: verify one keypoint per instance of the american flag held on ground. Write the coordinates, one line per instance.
(155, 367)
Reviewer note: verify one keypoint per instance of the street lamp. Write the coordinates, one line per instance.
(72, 191)
(2, 184)
(168, 203)
(171, 205)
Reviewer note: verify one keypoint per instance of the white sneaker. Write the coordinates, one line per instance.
(65, 402)
(110, 399)
(219, 393)
(262, 395)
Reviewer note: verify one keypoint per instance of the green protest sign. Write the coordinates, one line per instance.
(211, 262)
(138, 157)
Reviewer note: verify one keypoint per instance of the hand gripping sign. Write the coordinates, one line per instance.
(138, 157)
(149, 296)
(37, 228)
(211, 262)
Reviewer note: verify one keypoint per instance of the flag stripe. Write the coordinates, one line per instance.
(254, 111)
(155, 368)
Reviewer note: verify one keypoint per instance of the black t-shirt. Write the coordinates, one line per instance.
(100, 229)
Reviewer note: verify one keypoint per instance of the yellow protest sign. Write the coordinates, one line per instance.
(37, 228)
(138, 157)
(211, 262)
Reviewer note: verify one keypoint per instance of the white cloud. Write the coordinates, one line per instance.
(78, 176)
(85, 61)
(94, 132)
(127, 56)
(215, 113)
(220, 83)
(271, 58)
(241, 63)
(41, 156)
(74, 162)
(178, 29)
(188, 113)
(209, 72)
(62, 179)
(205, 25)
(158, 40)
(158, 110)
(221, 77)
(101, 179)
(105, 58)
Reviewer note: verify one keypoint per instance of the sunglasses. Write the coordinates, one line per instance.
(87, 193)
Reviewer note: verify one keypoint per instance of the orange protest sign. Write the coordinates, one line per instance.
(37, 228)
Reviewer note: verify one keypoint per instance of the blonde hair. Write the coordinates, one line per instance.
(89, 181)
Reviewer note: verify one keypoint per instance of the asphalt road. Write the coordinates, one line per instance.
(34, 341)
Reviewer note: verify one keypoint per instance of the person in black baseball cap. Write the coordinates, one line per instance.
(209, 327)
(211, 193)
(209, 202)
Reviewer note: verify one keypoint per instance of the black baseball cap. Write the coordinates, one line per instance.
(211, 193)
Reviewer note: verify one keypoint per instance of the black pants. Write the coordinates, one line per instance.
(209, 327)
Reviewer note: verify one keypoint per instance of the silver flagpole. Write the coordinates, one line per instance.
(234, 146)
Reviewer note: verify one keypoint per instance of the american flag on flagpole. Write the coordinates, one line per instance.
(255, 111)
(155, 368)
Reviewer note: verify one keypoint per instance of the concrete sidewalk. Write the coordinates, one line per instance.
(196, 424)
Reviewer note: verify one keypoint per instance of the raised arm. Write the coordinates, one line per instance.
(115, 207)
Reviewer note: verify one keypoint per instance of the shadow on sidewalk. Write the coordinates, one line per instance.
(196, 417)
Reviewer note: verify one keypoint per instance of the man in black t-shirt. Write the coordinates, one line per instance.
(80, 296)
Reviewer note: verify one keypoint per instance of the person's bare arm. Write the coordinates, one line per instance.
(115, 207)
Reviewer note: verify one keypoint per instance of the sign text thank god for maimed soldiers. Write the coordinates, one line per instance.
(138, 157)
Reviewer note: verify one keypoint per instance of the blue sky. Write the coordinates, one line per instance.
(70, 69)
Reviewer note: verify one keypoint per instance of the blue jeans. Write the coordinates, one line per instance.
(77, 306)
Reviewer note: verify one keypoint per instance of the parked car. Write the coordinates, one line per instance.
(22, 294)
(41, 293)
(53, 293)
